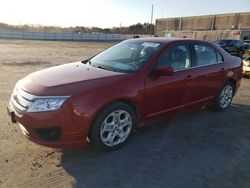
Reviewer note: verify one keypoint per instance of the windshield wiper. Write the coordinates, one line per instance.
(94, 65)
(101, 67)
(87, 61)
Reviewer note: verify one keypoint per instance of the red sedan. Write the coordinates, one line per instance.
(132, 83)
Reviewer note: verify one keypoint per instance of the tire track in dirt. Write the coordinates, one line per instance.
(52, 178)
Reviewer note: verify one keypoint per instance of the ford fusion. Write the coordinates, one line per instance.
(104, 98)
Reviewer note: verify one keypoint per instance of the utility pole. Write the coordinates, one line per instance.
(120, 28)
(152, 13)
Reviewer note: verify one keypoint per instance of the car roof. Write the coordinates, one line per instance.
(230, 39)
(165, 40)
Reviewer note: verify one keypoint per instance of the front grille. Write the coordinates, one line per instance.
(21, 100)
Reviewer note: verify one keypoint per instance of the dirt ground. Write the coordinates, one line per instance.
(201, 148)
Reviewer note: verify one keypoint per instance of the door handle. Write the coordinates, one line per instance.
(188, 77)
(222, 70)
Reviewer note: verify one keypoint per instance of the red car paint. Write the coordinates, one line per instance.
(91, 89)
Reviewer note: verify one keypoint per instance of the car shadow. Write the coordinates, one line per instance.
(201, 148)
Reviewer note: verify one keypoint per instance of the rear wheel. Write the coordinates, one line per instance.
(224, 97)
(112, 127)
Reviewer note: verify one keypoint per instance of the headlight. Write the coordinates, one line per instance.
(46, 104)
(246, 63)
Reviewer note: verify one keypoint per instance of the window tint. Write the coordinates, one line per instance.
(205, 55)
(178, 57)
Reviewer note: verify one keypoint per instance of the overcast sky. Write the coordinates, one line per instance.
(109, 13)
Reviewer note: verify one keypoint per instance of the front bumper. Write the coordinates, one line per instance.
(66, 128)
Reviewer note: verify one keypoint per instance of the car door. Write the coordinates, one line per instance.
(208, 74)
(165, 94)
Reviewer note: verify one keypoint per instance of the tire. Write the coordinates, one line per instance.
(224, 97)
(112, 127)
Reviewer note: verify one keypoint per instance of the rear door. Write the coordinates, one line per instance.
(208, 74)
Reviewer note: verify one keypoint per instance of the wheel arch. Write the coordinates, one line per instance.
(233, 82)
(126, 101)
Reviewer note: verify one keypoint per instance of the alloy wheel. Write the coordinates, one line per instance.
(116, 128)
(226, 96)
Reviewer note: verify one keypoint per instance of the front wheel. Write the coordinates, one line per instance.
(224, 97)
(112, 127)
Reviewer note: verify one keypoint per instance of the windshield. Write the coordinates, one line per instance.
(127, 56)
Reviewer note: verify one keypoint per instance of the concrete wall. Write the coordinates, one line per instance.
(209, 35)
(179, 34)
(236, 21)
(244, 21)
(197, 23)
(225, 21)
(171, 24)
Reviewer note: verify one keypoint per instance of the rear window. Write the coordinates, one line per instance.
(205, 55)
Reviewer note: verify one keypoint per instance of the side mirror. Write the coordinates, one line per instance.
(164, 71)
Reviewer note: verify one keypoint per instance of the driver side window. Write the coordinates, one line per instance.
(177, 57)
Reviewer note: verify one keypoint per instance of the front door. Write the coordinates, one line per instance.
(165, 94)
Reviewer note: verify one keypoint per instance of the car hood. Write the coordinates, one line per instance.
(64, 79)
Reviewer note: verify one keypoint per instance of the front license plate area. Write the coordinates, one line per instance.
(12, 115)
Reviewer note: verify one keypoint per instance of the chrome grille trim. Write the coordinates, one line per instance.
(26, 95)
(18, 106)
(21, 100)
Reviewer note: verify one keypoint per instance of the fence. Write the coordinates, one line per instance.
(11, 34)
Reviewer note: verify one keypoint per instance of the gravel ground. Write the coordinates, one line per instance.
(200, 148)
